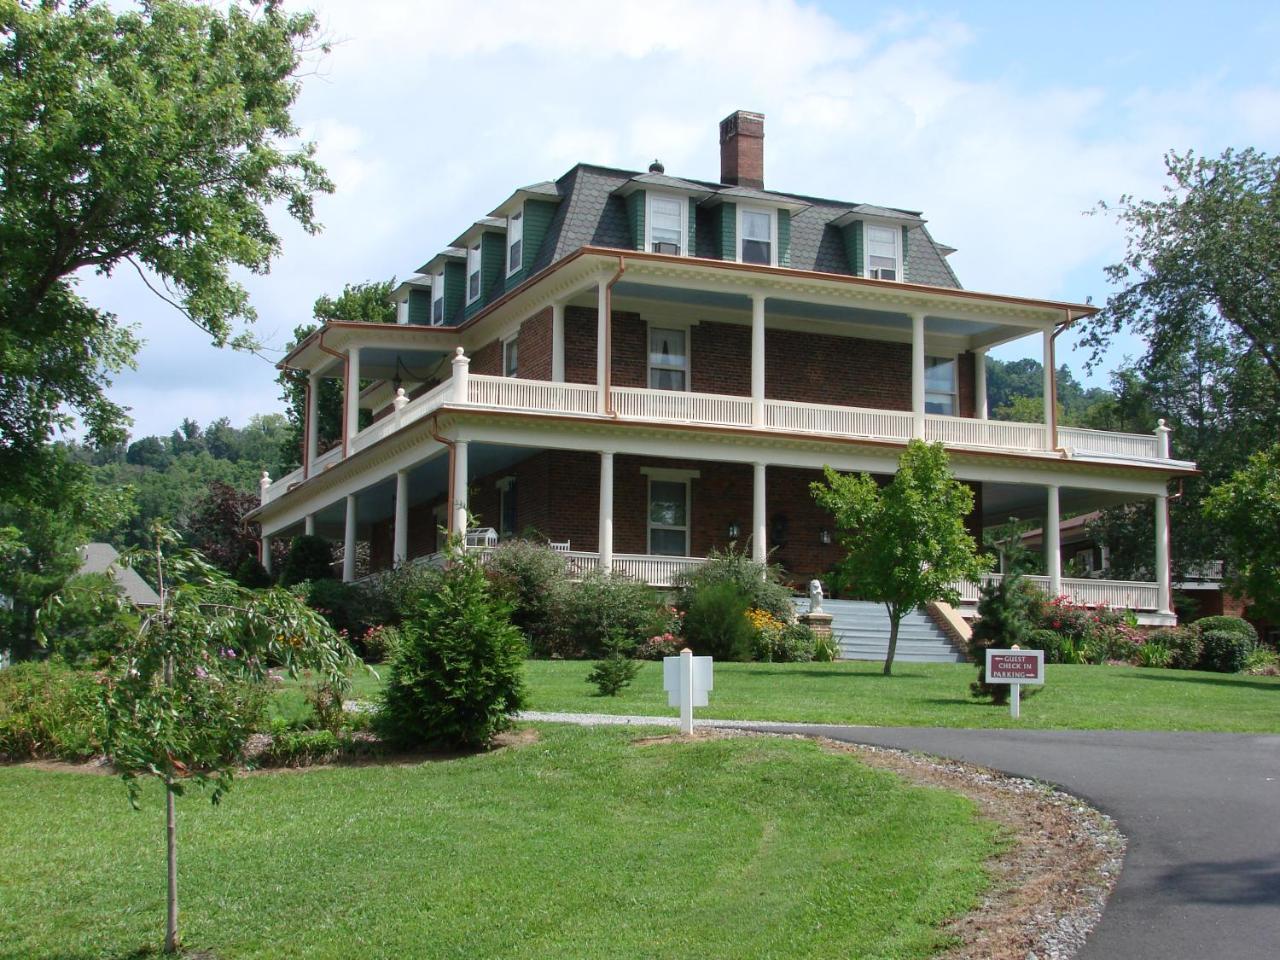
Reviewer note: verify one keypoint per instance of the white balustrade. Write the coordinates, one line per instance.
(543, 396)
(1121, 594)
(655, 571)
(676, 405)
(842, 421)
(1139, 446)
(968, 432)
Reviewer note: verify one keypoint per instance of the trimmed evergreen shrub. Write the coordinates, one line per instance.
(456, 677)
(1183, 643)
(1002, 622)
(616, 671)
(716, 623)
(49, 710)
(789, 643)
(310, 558)
(532, 578)
(603, 607)
(1226, 643)
(760, 583)
(251, 573)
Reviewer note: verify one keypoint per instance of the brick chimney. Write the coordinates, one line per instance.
(742, 149)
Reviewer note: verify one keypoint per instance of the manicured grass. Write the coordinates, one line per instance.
(935, 695)
(585, 844)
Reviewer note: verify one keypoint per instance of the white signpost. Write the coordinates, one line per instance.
(1015, 667)
(687, 680)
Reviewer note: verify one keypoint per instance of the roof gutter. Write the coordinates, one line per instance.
(434, 430)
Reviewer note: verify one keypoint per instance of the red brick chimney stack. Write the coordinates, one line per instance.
(742, 149)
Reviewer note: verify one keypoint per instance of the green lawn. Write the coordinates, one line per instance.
(936, 695)
(584, 844)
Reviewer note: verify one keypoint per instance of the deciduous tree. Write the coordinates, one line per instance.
(1247, 508)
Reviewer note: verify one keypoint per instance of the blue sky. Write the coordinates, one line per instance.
(1002, 122)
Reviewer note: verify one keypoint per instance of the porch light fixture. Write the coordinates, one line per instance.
(824, 535)
(733, 531)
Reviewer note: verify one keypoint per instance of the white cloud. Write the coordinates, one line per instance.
(427, 115)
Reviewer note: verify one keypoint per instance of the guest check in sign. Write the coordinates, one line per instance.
(1015, 667)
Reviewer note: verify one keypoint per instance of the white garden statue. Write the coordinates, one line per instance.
(815, 596)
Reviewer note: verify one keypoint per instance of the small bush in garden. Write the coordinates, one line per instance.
(1226, 643)
(1182, 642)
(326, 703)
(251, 573)
(1002, 622)
(302, 748)
(658, 647)
(48, 710)
(1262, 662)
(785, 643)
(601, 607)
(616, 671)
(716, 623)
(310, 558)
(378, 642)
(825, 648)
(456, 677)
(1151, 654)
(760, 583)
(392, 592)
(531, 577)
(346, 607)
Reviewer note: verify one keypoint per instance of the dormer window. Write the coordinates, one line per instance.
(756, 243)
(473, 272)
(666, 223)
(515, 242)
(437, 299)
(884, 252)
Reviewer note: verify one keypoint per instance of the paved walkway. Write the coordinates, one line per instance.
(1201, 879)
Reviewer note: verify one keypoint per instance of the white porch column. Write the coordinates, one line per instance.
(602, 343)
(461, 376)
(266, 553)
(1049, 390)
(980, 384)
(351, 396)
(309, 525)
(1052, 547)
(1163, 578)
(313, 422)
(759, 546)
(757, 358)
(400, 552)
(349, 541)
(557, 341)
(606, 510)
(917, 374)
(460, 480)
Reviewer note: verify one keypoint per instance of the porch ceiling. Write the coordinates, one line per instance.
(1000, 501)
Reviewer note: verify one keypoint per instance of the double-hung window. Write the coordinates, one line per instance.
(515, 242)
(756, 243)
(666, 224)
(669, 517)
(510, 358)
(668, 359)
(884, 260)
(437, 299)
(473, 272)
(940, 385)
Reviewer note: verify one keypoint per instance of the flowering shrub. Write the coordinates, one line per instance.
(1072, 633)
(763, 620)
(658, 646)
(785, 643)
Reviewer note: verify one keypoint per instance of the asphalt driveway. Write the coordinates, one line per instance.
(1201, 878)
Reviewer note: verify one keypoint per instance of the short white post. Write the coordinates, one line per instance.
(398, 404)
(461, 376)
(917, 375)
(352, 397)
(1015, 700)
(757, 358)
(400, 550)
(557, 341)
(606, 511)
(264, 484)
(1162, 440)
(686, 691)
(349, 541)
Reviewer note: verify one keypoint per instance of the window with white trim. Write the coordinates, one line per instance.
(510, 356)
(473, 272)
(940, 385)
(515, 242)
(665, 223)
(668, 517)
(755, 242)
(668, 359)
(884, 252)
(437, 299)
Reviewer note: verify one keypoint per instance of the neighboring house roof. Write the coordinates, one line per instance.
(102, 557)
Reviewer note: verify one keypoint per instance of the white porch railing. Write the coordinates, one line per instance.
(967, 432)
(655, 571)
(540, 396)
(640, 404)
(1125, 594)
(842, 421)
(1105, 443)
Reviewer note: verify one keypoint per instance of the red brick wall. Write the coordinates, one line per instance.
(579, 345)
(720, 358)
(630, 365)
(847, 371)
(487, 360)
(533, 361)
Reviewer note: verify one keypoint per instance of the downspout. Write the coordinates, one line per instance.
(608, 339)
(345, 371)
(306, 427)
(435, 435)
